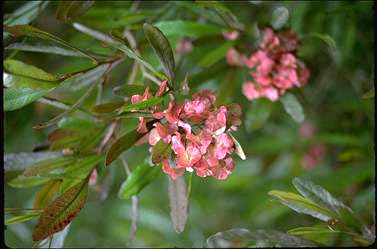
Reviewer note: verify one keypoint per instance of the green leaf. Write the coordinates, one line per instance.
(115, 44)
(68, 10)
(321, 235)
(302, 205)
(215, 55)
(48, 165)
(326, 38)
(179, 28)
(293, 107)
(244, 238)
(178, 203)
(82, 167)
(73, 108)
(142, 105)
(160, 151)
(63, 138)
(22, 160)
(15, 98)
(238, 148)
(27, 182)
(279, 17)
(122, 144)
(369, 94)
(129, 90)
(22, 218)
(61, 211)
(162, 48)
(26, 30)
(138, 179)
(46, 194)
(108, 107)
(258, 114)
(22, 69)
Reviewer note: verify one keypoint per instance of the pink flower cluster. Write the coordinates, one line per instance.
(273, 67)
(197, 133)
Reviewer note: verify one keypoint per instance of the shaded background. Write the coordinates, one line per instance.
(337, 47)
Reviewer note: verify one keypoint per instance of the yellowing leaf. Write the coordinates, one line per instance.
(61, 211)
(46, 194)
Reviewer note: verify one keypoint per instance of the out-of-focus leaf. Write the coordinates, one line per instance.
(243, 238)
(22, 69)
(141, 105)
(74, 122)
(22, 218)
(215, 55)
(197, 79)
(320, 235)
(279, 17)
(15, 98)
(129, 90)
(293, 107)
(82, 167)
(68, 10)
(369, 94)
(326, 38)
(226, 15)
(88, 144)
(238, 148)
(178, 203)
(46, 166)
(179, 28)
(258, 114)
(61, 211)
(115, 44)
(302, 205)
(46, 194)
(122, 144)
(24, 14)
(69, 111)
(108, 107)
(26, 30)
(27, 182)
(160, 151)
(22, 160)
(63, 138)
(138, 179)
(162, 48)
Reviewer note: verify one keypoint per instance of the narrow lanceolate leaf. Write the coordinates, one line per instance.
(22, 160)
(178, 203)
(322, 235)
(142, 105)
(47, 166)
(26, 30)
(302, 205)
(16, 98)
(82, 167)
(22, 69)
(61, 211)
(108, 107)
(293, 107)
(238, 148)
(73, 108)
(122, 144)
(129, 90)
(162, 48)
(27, 182)
(138, 180)
(160, 152)
(115, 44)
(22, 218)
(68, 10)
(46, 194)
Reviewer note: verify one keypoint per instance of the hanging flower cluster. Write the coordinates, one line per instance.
(273, 67)
(195, 133)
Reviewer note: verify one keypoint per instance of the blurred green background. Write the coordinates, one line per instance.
(337, 47)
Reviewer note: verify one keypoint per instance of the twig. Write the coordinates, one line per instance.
(135, 208)
(108, 134)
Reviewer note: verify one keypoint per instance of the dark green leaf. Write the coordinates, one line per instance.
(122, 144)
(26, 30)
(138, 179)
(160, 151)
(162, 48)
(369, 94)
(68, 10)
(129, 90)
(215, 55)
(179, 28)
(82, 167)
